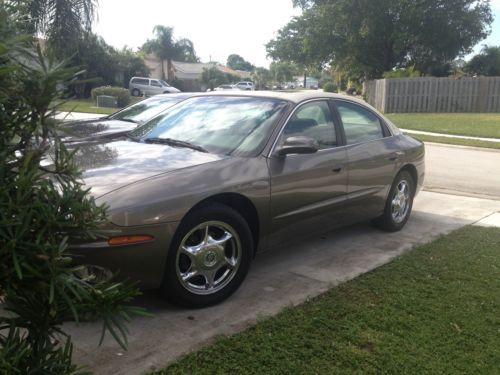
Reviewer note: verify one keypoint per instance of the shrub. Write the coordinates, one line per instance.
(120, 93)
(43, 203)
(330, 87)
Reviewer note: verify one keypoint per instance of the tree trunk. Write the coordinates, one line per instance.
(170, 73)
(162, 69)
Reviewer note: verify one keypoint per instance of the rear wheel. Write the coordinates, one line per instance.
(209, 257)
(399, 204)
(136, 92)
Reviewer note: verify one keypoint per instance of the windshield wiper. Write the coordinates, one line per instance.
(128, 120)
(175, 143)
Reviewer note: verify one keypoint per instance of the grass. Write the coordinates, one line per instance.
(456, 141)
(471, 124)
(435, 310)
(89, 106)
(85, 106)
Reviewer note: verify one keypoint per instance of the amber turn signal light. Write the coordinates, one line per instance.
(127, 240)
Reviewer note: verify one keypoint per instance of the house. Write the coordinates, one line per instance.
(187, 76)
(311, 82)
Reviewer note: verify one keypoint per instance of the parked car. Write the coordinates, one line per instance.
(148, 86)
(224, 88)
(121, 122)
(245, 86)
(194, 193)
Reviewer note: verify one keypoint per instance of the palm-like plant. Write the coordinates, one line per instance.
(60, 21)
(166, 47)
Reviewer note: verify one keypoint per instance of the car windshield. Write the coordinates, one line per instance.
(146, 109)
(238, 126)
(164, 83)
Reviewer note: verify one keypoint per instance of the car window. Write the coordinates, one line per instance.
(360, 124)
(164, 83)
(154, 82)
(313, 120)
(238, 126)
(140, 81)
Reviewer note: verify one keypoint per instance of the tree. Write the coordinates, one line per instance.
(261, 78)
(60, 21)
(42, 204)
(166, 47)
(237, 62)
(485, 63)
(366, 38)
(213, 77)
(283, 71)
(103, 64)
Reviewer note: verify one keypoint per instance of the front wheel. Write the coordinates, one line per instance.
(399, 204)
(136, 92)
(209, 257)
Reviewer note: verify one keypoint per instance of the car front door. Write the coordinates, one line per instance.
(371, 159)
(155, 87)
(305, 187)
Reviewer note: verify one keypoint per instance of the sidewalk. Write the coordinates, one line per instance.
(450, 135)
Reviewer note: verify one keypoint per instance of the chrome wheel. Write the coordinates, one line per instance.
(400, 203)
(208, 257)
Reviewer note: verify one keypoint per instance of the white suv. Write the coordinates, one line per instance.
(245, 85)
(147, 86)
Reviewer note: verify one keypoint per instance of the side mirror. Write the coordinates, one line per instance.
(298, 145)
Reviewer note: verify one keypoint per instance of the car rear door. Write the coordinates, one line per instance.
(307, 186)
(371, 159)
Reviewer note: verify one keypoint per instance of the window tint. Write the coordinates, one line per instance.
(313, 120)
(154, 82)
(140, 81)
(360, 124)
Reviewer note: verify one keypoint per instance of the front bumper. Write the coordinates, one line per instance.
(143, 262)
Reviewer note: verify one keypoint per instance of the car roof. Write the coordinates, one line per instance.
(295, 97)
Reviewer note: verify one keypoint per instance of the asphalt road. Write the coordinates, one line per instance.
(462, 170)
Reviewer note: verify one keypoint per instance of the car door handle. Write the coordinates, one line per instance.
(337, 169)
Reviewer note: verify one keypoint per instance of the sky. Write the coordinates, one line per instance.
(217, 28)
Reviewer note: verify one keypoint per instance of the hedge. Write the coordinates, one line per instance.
(330, 87)
(120, 93)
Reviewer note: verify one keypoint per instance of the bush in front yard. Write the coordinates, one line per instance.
(43, 203)
(330, 87)
(120, 93)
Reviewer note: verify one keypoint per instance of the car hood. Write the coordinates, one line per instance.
(110, 166)
(100, 128)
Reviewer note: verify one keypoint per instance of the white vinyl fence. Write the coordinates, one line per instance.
(429, 94)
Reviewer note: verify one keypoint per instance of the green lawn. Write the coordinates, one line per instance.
(435, 310)
(472, 124)
(85, 106)
(89, 106)
(456, 141)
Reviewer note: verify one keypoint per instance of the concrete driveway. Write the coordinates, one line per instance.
(290, 275)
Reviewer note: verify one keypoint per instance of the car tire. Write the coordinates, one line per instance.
(209, 257)
(166, 92)
(136, 92)
(398, 205)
